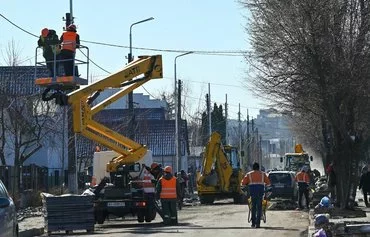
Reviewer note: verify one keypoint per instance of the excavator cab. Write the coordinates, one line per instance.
(56, 85)
(232, 155)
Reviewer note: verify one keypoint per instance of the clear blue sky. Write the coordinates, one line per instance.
(190, 25)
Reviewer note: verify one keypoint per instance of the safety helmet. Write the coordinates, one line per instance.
(154, 165)
(168, 169)
(44, 32)
(321, 219)
(72, 27)
(325, 202)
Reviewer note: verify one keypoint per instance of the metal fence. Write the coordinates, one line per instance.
(33, 177)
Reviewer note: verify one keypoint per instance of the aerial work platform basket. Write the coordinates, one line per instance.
(56, 80)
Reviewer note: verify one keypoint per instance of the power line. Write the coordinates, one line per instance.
(17, 26)
(237, 53)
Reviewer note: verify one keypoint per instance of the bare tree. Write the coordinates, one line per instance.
(25, 119)
(311, 57)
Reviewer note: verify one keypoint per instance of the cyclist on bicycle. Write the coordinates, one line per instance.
(256, 181)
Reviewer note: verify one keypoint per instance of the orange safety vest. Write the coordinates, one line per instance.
(255, 178)
(147, 182)
(69, 41)
(302, 177)
(168, 188)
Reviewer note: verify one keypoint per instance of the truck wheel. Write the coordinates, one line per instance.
(206, 200)
(150, 214)
(140, 216)
(239, 199)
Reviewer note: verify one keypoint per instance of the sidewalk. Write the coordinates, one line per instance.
(340, 220)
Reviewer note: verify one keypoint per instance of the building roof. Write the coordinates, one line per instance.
(20, 80)
(157, 134)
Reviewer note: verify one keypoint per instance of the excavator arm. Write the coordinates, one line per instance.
(215, 160)
(129, 78)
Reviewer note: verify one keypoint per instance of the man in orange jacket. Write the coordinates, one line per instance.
(303, 180)
(256, 181)
(70, 40)
(168, 191)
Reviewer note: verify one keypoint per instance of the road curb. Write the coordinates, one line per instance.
(31, 232)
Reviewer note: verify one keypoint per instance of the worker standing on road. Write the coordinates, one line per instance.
(365, 186)
(167, 190)
(49, 42)
(156, 170)
(256, 181)
(303, 181)
(70, 40)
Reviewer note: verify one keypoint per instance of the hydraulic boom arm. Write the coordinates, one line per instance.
(148, 67)
(215, 158)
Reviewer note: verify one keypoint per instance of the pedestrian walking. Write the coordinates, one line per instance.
(256, 181)
(168, 191)
(365, 186)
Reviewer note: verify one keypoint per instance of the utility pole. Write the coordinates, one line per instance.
(253, 141)
(72, 152)
(226, 132)
(240, 137)
(179, 135)
(209, 112)
(248, 141)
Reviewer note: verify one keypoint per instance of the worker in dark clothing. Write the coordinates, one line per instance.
(156, 170)
(70, 40)
(50, 44)
(365, 186)
(167, 190)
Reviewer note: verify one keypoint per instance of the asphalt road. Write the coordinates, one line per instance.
(220, 219)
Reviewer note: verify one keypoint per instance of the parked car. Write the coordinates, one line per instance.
(8, 214)
(283, 184)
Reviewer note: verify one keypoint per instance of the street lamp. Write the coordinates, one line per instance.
(130, 58)
(177, 118)
(131, 94)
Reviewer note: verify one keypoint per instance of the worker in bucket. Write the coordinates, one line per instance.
(69, 40)
(49, 41)
(167, 190)
(256, 181)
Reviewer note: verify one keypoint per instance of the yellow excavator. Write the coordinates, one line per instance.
(126, 195)
(221, 174)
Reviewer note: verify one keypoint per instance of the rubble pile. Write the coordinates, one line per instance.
(283, 205)
(28, 212)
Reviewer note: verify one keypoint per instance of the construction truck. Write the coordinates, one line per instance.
(221, 174)
(125, 185)
(295, 161)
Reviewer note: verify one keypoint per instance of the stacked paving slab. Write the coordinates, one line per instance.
(68, 213)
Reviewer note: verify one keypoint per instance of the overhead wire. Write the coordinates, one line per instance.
(210, 52)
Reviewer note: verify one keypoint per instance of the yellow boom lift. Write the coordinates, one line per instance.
(123, 198)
